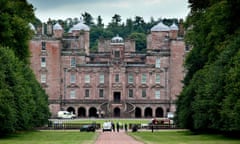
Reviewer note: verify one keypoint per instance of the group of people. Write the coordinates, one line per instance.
(118, 127)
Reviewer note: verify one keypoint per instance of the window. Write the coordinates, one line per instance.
(43, 46)
(157, 80)
(144, 94)
(87, 92)
(43, 78)
(130, 93)
(72, 94)
(157, 94)
(117, 54)
(87, 78)
(101, 78)
(144, 78)
(73, 62)
(43, 61)
(157, 64)
(101, 93)
(116, 77)
(130, 78)
(73, 78)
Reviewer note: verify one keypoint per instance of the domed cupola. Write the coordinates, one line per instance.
(57, 26)
(117, 40)
(174, 27)
(80, 26)
(160, 27)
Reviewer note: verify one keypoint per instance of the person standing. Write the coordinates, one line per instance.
(117, 126)
(125, 126)
(113, 126)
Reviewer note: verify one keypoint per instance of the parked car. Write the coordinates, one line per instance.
(88, 128)
(107, 126)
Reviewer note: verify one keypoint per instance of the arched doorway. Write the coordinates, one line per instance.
(92, 112)
(138, 112)
(159, 112)
(116, 112)
(148, 112)
(71, 110)
(81, 112)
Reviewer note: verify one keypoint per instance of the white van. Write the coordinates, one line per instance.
(66, 114)
(107, 126)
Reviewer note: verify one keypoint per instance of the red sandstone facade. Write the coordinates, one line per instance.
(113, 82)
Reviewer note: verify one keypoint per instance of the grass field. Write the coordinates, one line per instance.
(180, 137)
(50, 137)
(76, 137)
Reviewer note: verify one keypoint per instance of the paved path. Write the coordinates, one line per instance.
(115, 138)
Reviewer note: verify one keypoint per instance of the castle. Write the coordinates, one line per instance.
(115, 81)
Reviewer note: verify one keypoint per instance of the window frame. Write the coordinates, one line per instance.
(144, 93)
(43, 62)
(157, 94)
(73, 78)
(130, 78)
(117, 78)
(157, 78)
(158, 63)
(73, 62)
(43, 78)
(101, 93)
(87, 78)
(101, 78)
(43, 46)
(87, 93)
(144, 78)
(130, 93)
(72, 94)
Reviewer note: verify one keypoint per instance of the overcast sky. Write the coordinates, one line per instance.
(63, 9)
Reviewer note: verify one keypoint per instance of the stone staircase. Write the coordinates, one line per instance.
(127, 108)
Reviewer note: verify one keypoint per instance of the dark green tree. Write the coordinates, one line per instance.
(209, 100)
(140, 39)
(14, 18)
(87, 18)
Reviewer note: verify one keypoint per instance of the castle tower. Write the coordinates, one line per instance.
(81, 31)
(158, 37)
(173, 31)
(57, 31)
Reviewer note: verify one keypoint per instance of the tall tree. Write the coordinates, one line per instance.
(14, 18)
(100, 22)
(87, 18)
(18, 86)
(209, 100)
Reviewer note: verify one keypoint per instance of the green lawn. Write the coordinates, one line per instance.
(76, 137)
(180, 137)
(50, 137)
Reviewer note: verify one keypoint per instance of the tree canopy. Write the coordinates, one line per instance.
(23, 103)
(210, 100)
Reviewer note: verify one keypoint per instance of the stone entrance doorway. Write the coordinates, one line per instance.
(116, 97)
